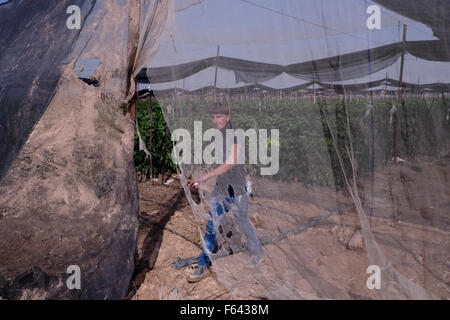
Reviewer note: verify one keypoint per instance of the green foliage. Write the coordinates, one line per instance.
(306, 147)
(123, 107)
(161, 144)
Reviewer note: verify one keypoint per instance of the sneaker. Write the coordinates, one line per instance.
(256, 260)
(199, 274)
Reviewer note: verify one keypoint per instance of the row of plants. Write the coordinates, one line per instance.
(157, 141)
(306, 146)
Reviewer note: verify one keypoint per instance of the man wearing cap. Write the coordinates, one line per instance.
(228, 193)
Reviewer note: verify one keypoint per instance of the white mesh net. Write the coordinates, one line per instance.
(339, 194)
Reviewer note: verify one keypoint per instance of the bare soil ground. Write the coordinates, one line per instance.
(409, 219)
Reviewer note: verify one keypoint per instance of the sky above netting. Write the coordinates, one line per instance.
(286, 32)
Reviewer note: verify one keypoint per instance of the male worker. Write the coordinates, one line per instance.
(228, 193)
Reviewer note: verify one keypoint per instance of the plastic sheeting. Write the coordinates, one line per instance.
(344, 67)
(29, 65)
(328, 203)
(432, 13)
(310, 87)
(31, 61)
(70, 196)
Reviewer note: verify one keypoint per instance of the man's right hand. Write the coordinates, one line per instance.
(194, 183)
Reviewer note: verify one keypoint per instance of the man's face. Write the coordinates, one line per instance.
(220, 120)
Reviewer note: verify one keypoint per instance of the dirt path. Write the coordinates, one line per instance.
(410, 223)
(164, 208)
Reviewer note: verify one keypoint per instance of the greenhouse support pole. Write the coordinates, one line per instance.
(399, 97)
(150, 120)
(331, 87)
(385, 85)
(245, 88)
(314, 92)
(164, 159)
(133, 103)
(215, 75)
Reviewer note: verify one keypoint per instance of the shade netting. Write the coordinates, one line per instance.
(344, 172)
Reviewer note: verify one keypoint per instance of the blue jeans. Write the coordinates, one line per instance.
(218, 206)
